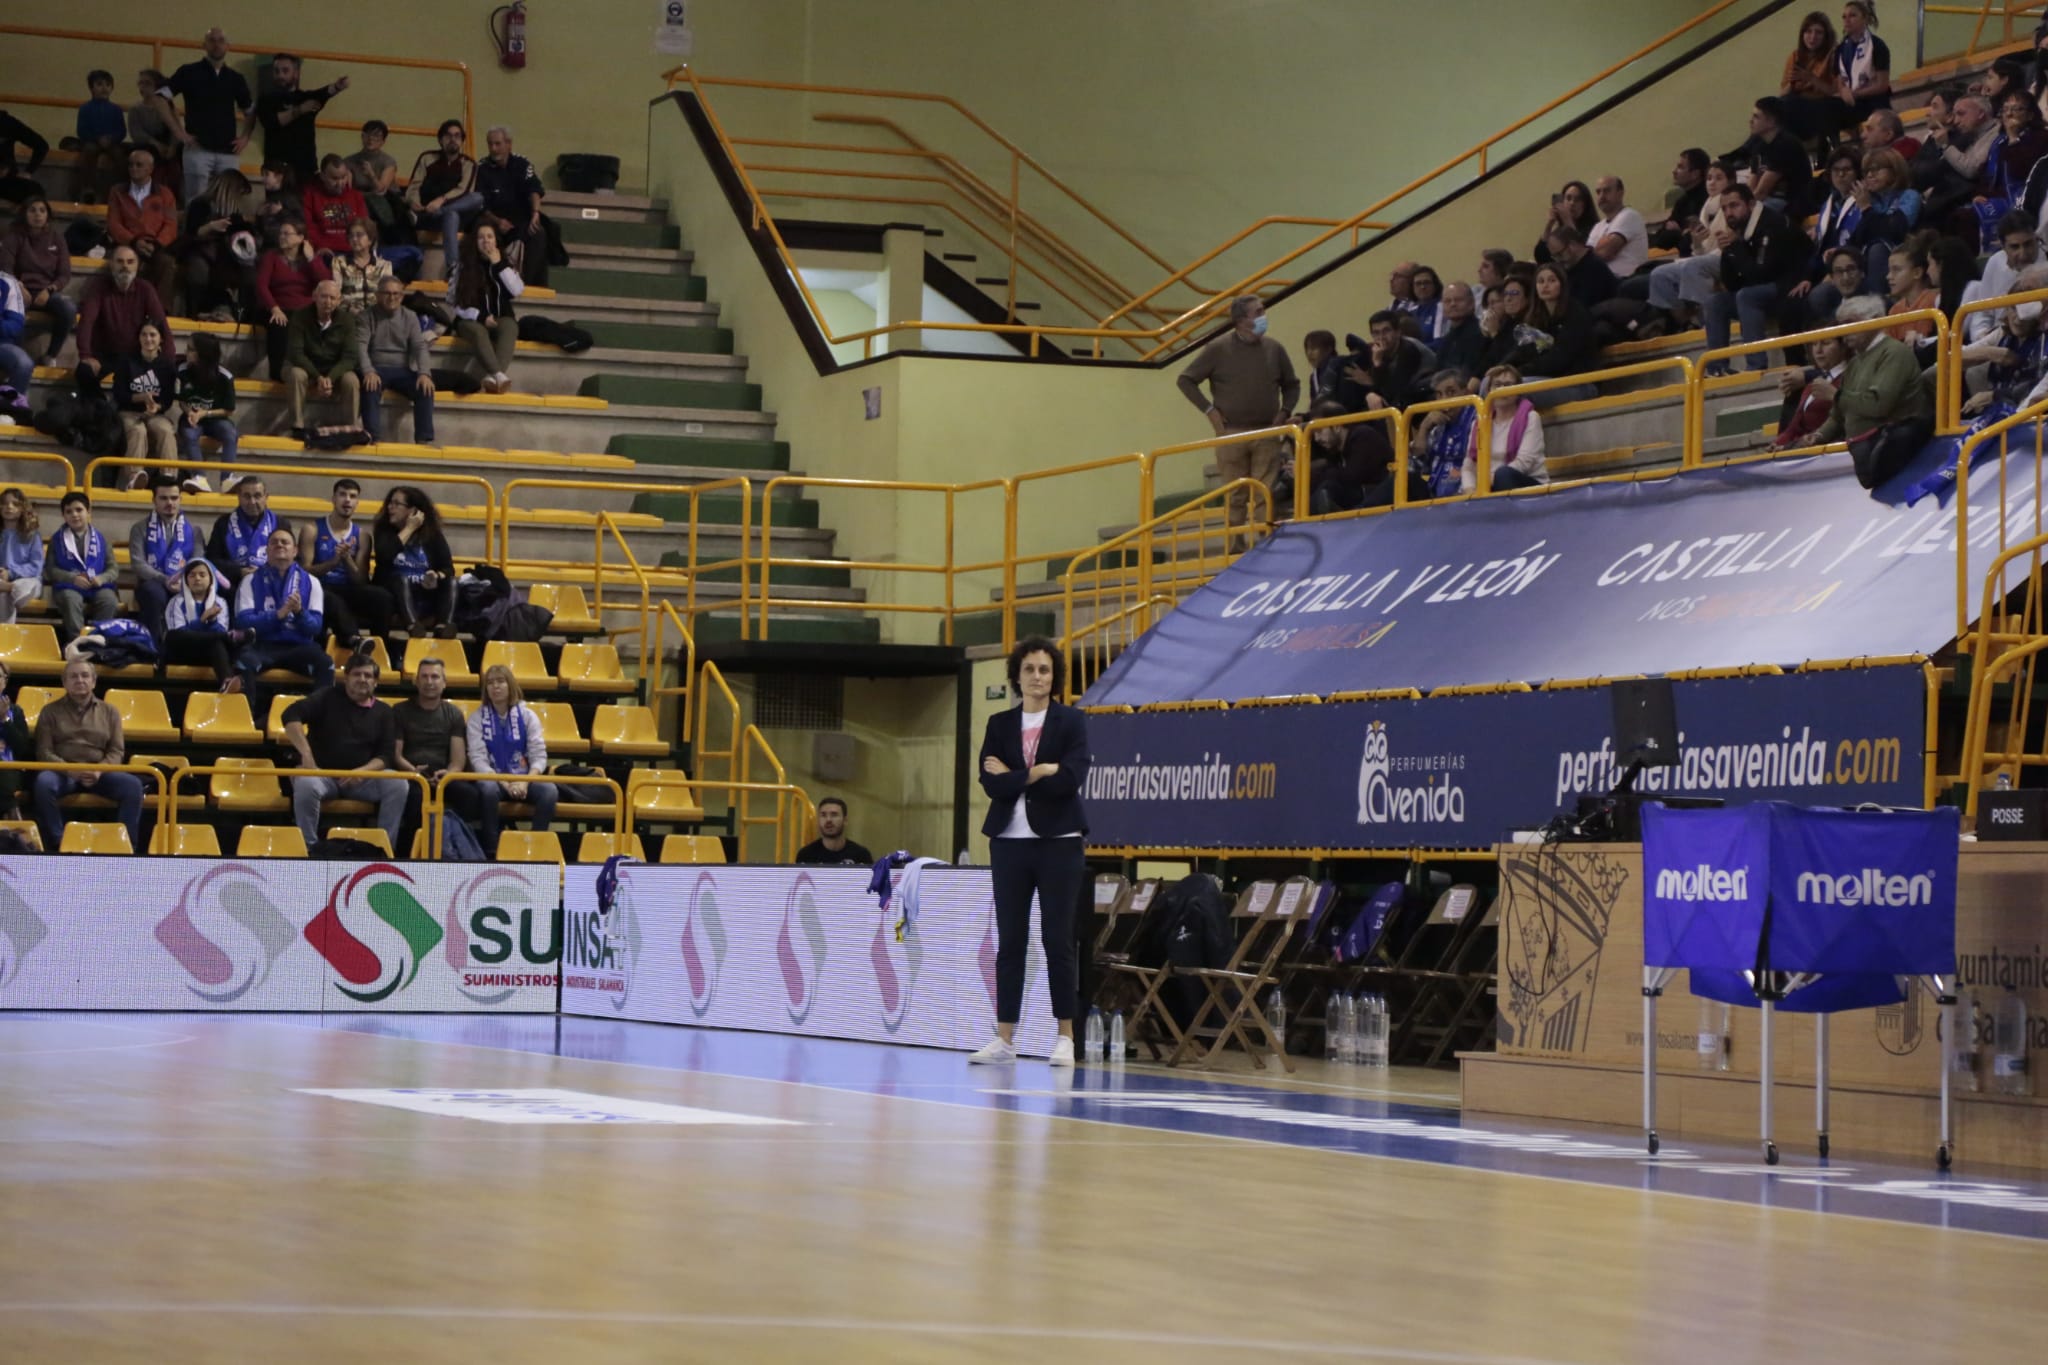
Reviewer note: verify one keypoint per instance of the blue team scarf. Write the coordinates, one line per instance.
(505, 737)
(326, 547)
(169, 551)
(63, 546)
(272, 588)
(1944, 478)
(246, 543)
(1447, 447)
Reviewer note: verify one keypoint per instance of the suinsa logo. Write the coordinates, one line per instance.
(225, 968)
(480, 942)
(1436, 800)
(1867, 886)
(380, 890)
(1703, 883)
(21, 929)
(606, 946)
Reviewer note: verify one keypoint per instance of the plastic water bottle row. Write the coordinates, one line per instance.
(1102, 1041)
(1356, 1029)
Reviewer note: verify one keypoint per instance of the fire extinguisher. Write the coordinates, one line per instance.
(511, 36)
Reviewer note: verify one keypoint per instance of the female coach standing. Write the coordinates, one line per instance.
(1033, 758)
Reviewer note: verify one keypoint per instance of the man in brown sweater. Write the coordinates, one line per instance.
(1252, 385)
(80, 728)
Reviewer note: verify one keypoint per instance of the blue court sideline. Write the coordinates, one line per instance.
(2001, 1202)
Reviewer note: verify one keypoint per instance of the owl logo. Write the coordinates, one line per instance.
(1372, 774)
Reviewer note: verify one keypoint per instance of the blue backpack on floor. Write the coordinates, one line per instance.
(459, 843)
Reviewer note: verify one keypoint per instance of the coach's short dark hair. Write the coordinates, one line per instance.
(1035, 644)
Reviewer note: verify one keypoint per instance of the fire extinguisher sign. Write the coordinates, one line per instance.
(672, 28)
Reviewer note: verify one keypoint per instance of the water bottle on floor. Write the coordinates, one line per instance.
(1381, 1019)
(1962, 1048)
(1276, 1015)
(1093, 1037)
(2009, 1046)
(1333, 1027)
(1347, 1050)
(1116, 1038)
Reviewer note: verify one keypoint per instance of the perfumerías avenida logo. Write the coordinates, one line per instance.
(1382, 800)
(378, 894)
(226, 932)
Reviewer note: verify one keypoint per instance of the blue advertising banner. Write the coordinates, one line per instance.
(1465, 771)
(1780, 563)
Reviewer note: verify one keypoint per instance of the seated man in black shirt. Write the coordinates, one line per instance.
(354, 731)
(832, 848)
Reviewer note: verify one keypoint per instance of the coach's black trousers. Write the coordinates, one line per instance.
(1056, 870)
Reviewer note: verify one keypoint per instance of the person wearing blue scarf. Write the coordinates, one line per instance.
(160, 545)
(15, 745)
(336, 550)
(80, 570)
(241, 538)
(196, 625)
(505, 738)
(281, 607)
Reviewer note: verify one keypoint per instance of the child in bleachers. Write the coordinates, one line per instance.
(80, 570)
(206, 402)
(21, 554)
(101, 127)
(196, 626)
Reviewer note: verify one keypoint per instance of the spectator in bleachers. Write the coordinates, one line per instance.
(433, 740)
(1763, 260)
(2018, 147)
(1779, 173)
(1401, 287)
(1618, 237)
(1909, 287)
(36, 254)
(1880, 392)
(206, 408)
(1344, 462)
(352, 732)
(1395, 365)
(336, 552)
(21, 554)
(1809, 394)
(1845, 280)
(1681, 211)
(149, 125)
(2007, 363)
(100, 129)
(282, 611)
(396, 357)
(1251, 385)
(144, 391)
(360, 269)
(2019, 248)
(443, 187)
(144, 215)
(1558, 340)
(285, 281)
(1883, 129)
(1810, 90)
(332, 203)
(412, 563)
(79, 727)
(18, 182)
(16, 745)
(512, 194)
(1863, 64)
(1833, 227)
(1590, 281)
(1426, 317)
(1494, 264)
(219, 114)
(1516, 439)
(290, 115)
(374, 172)
(195, 625)
(221, 243)
(241, 537)
(1965, 151)
(1925, 163)
(1501, 323)
(1437, 450)
(2006, 75)
(110, 319)
(1570, 207)
(79, 568)
(1462, 343)
(1889, 208)
(832, 848)
(505, 738)
(1325, 366)
(1678, 289)
(17, 371)
(484, 289)
(160, 545)
(280, 203)
(323, 357)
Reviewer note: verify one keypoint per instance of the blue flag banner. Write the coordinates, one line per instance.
(1463, 772)
(1779, 562)
(1863, 898)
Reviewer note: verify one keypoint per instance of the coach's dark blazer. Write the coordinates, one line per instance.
(1052, 805)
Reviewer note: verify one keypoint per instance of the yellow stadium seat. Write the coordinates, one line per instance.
(571, 608)
(31, 700)
(82, 836)
(143, 715)
(271, 841)
(692, 848)
(31, 650)
(250, 784)
(27, 830)
(221, 718)
(593, 668)
(628, 731)
(185, 841)
(341, 653)
(171, 764)
(274, 729)
(529, 846)
(449, 652)
(664, 796)
(597, 846)
(371, 834)
(523, 658)
(558, 728)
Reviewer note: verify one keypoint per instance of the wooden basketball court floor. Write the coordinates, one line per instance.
(191, 1188)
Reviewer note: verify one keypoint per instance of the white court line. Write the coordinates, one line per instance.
(766, 1322)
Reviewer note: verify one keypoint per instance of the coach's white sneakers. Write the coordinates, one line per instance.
(997, 1052)
(1062, 1052)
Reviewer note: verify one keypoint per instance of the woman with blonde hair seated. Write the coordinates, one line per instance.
(505, 738)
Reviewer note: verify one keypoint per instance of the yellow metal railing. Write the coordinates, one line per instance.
(1980, 44)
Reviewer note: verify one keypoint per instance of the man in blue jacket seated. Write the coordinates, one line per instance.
(280, 608)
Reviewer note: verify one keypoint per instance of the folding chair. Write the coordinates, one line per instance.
(1152, 1020)
(1446, 1014)
(1268, 916)
(1124, 918)
(1425, 960)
